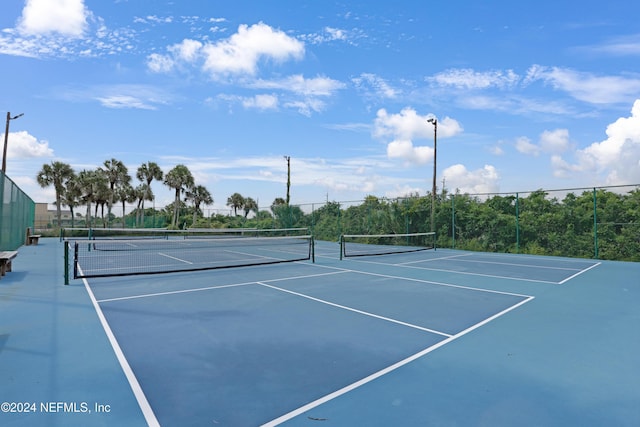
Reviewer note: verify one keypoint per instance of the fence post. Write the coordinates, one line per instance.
(595, 224)
(517, 223)
(453, 221)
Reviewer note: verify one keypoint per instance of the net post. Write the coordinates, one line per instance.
(313, 249)
(66, 262)
(75, 260)
(341, 243)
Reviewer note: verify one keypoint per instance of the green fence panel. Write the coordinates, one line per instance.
(17, 212)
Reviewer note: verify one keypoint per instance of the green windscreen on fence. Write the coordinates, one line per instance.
(17, 212)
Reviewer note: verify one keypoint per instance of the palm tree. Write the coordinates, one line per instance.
(116, 173)
(56, 173)
(140, 194)
(124, 193)
(71, 196)
(198, 194)
(179, 178)
(146, 173)
(250, 205)
(236, 201)
(94, 186)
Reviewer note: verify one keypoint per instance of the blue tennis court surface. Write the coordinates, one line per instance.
(440, 337)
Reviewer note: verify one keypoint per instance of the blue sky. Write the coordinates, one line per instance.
(527, 95)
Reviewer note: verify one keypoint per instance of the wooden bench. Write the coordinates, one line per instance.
(5, 261)
(33, 239)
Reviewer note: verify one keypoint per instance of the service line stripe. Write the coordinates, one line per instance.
(578, 273)
(518, 265)
(172, 257)
(493, 276)
(433, 259)
(365, 313)
(355, 385)
(209, 288)
(145, 407)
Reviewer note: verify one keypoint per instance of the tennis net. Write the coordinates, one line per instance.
(79, 233)
(208, 233)
(353, 245)
(118, 257)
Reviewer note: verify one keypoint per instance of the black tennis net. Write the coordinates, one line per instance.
(353, 245)
(118, 257)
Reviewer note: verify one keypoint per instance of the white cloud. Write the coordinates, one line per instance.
(404, 149)
(237, 55)
(306, 106)
(470, 79)
(586, 86)
(142, 97)
(619, 46)
(22, 145)
(551, 141)
(317, 86)
(240, 53)
(307, 93)
(554, 141)
(160, 63)
(64, 29)
(124, 101)
(335, 33)
(376, 85)
(406, 126)
(525, 146)
(67, 17)
(331, 34)
(616, 160)
(261, 102)
(459, 178)
(188, 50)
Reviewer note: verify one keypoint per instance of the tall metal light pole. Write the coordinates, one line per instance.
(434, 121)
(288, 159)
(6, 140)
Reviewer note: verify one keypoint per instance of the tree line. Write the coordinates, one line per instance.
(111, 183)
(596, 223)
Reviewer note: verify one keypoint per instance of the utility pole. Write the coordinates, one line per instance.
(288, 159)
(6, 140)
(434, 121)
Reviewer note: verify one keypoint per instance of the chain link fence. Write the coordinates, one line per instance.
(17, 212)
(601, 222)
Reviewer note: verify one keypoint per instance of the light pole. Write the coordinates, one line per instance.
(434, 121)
(288, 159)
(6, 140)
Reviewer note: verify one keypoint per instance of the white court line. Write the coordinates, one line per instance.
(368, 379)
(365, 313)
(208, 288)
(521, 265)
(432, 259)
(177, 259)
(579, 273)
(493, 276)
(430, 282)
(182, 291)
(145, 407)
